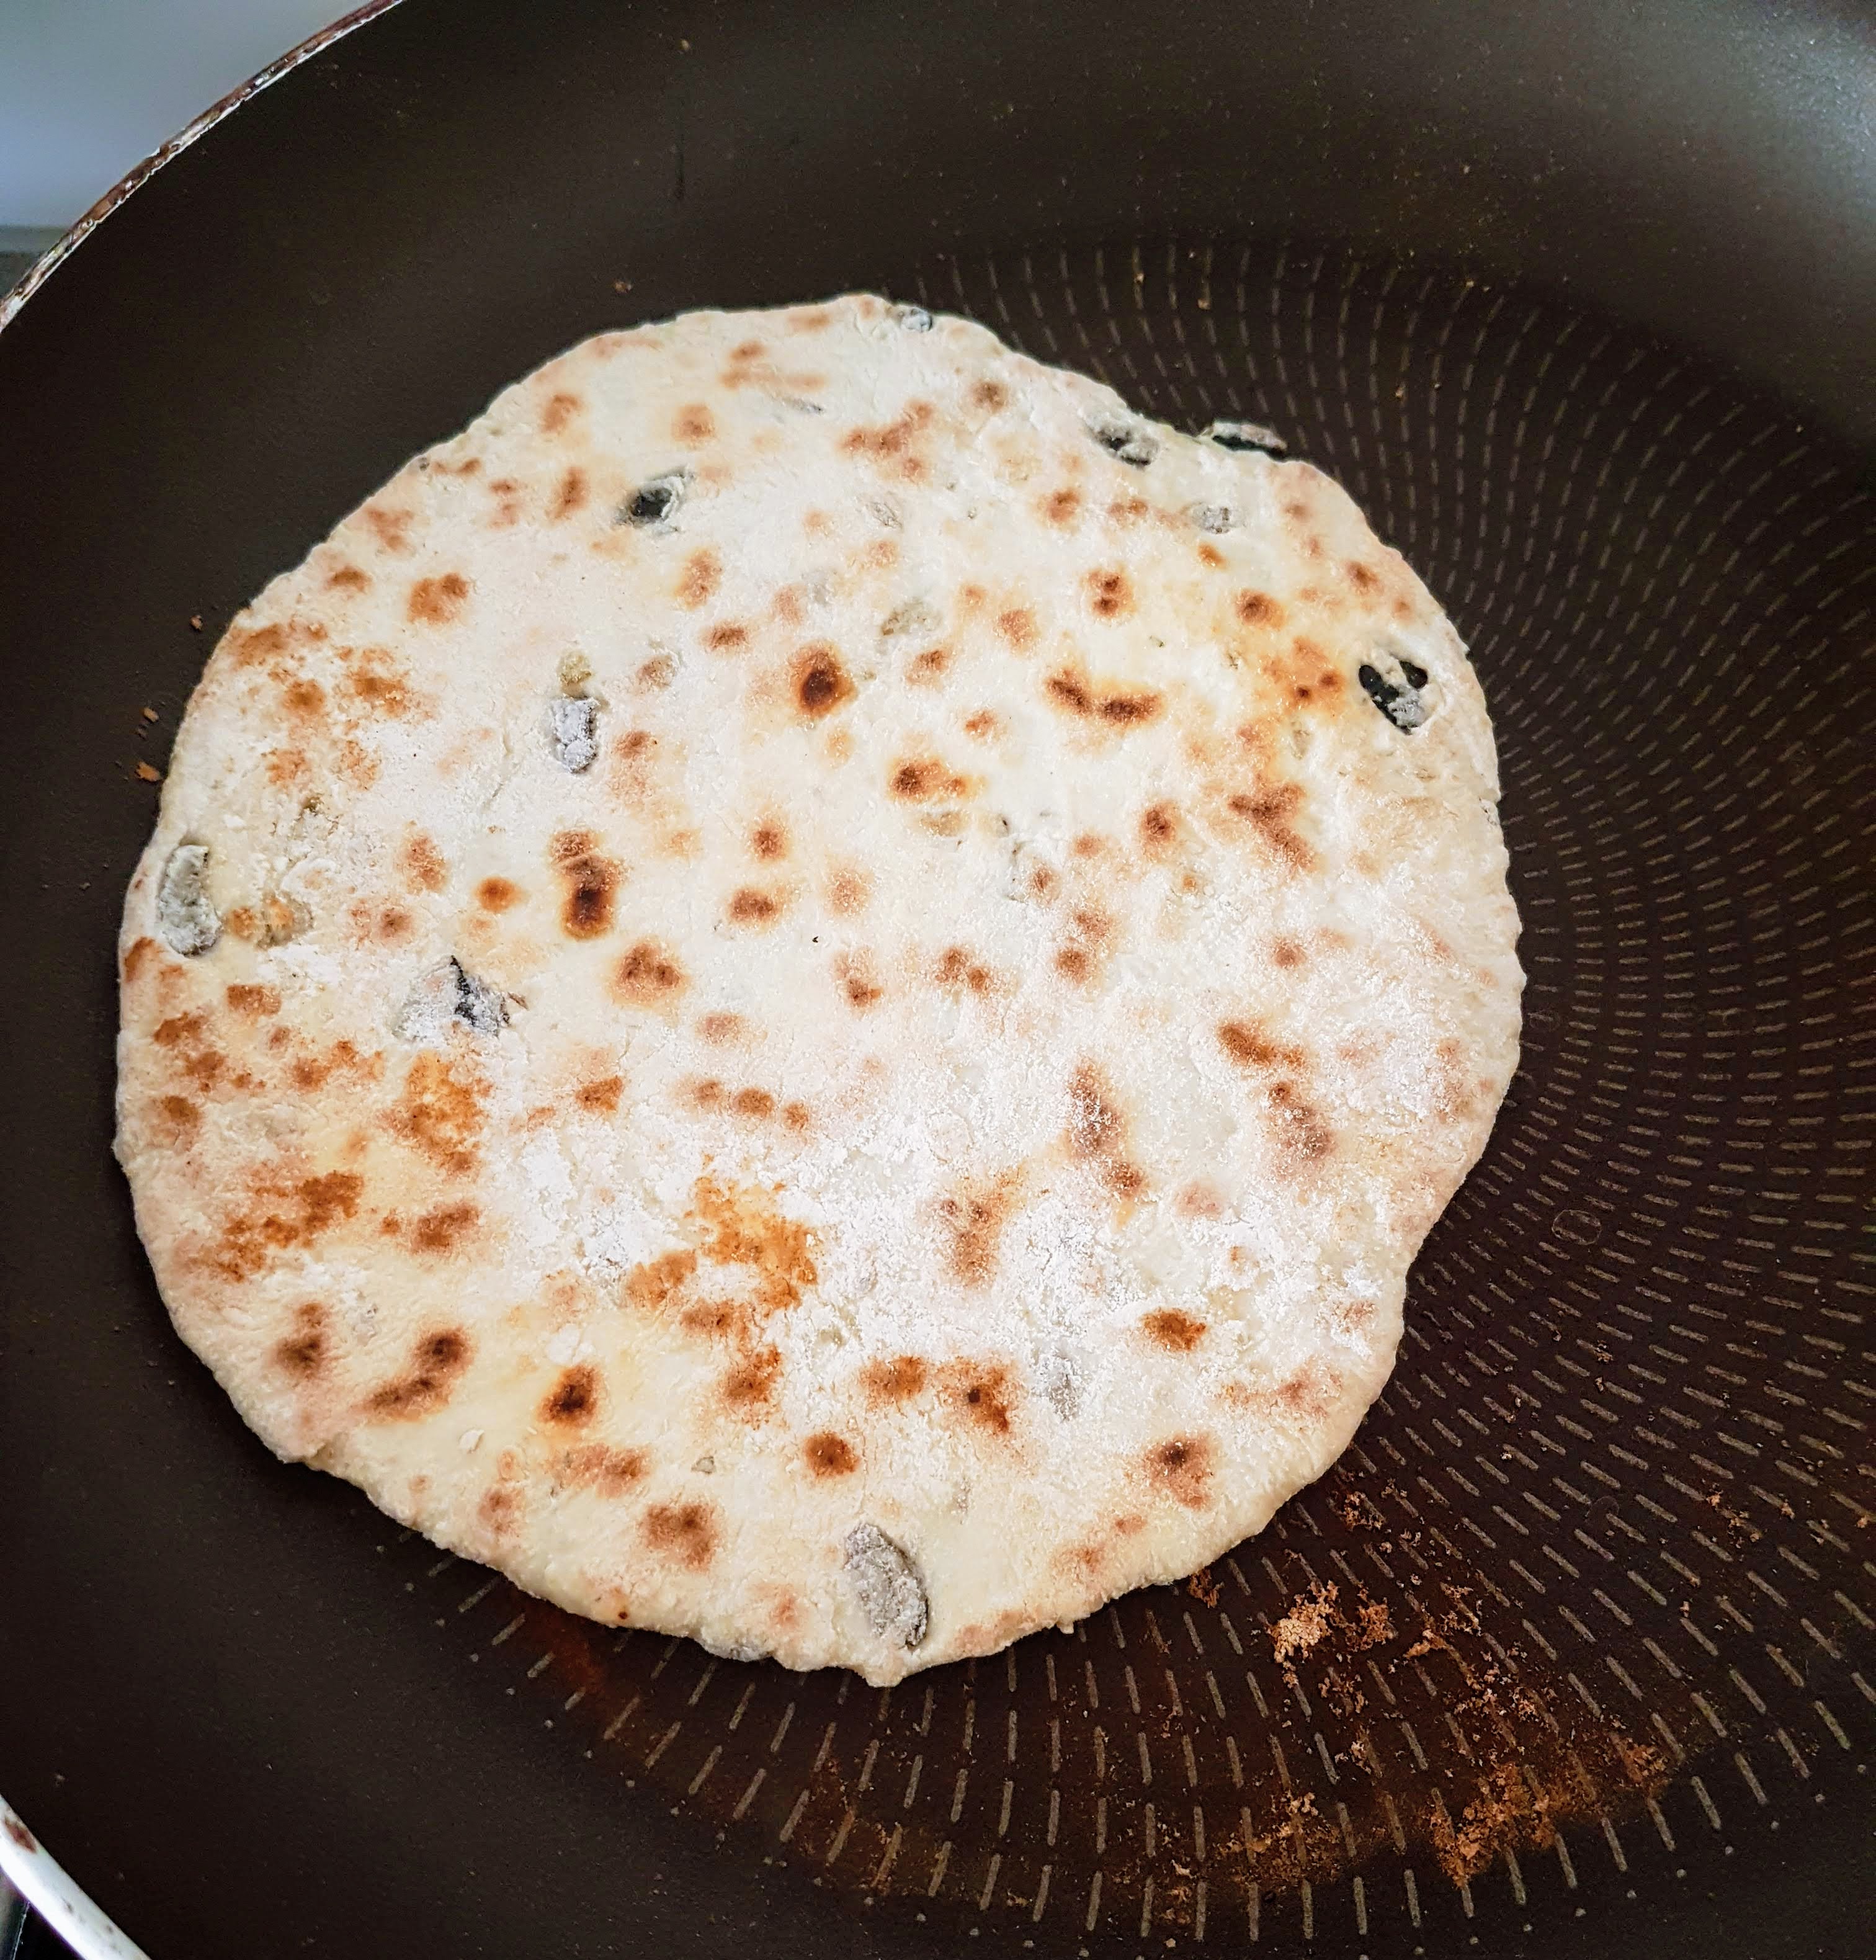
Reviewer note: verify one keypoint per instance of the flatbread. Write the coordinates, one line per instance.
(812, 988)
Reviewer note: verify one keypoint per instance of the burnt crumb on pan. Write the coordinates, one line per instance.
(913, 319)
(186, 914)
(887, 1584)
(1401, 703)
(1244, 435)
(448, 994)
(655, 502)
(573, 727)
(1126, 441)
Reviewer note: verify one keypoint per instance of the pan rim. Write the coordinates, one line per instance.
(11, 303)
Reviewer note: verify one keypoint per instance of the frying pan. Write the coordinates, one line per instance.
(1579, 300)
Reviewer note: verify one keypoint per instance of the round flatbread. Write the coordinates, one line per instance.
(812, 988)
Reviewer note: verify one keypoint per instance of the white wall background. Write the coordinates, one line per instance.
(88, 88)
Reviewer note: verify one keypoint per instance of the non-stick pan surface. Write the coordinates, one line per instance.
(1580, 302)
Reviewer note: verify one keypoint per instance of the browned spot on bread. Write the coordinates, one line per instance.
(138, 956)
(720, 1028)
(723, 1319)
(752, 907)
(745, 1229)
(304, 1352)
(252, 1002)
(819, 681)
(421, 863)
(389, 526)
(177, 1120)
(569, 495)
(1158, 825)
(1182, 1466)
(847, 892)
(1062, 507)
(1259, 609)
(348, 578)
(601, 1098)
(796, 1116)
(746, 351)
(311, 1071)
(769, 841)
(440, 1115)
(982, 724)
(590, 884)
(1309, 1394)
(1178, 1333)
(500, 1510)
(829, 1455)
(1068, 690)
(753, 1102)
(285, 766)
(434, 602)
(508, 496)
(281, 1215)
(894, 1380)
(1092, 934)
(1200, 1200)
(726, 637)
(1209, 554)
(443, 1227)
(559, 411)
(890, 446)
(648, 976)
(437, 1360)
(701, 575)
(685, 1532)
(1129, 707)
(1097, 1131)
(497, 895)
(1017, 624)
(989, 395)
(184, 1036)
(650, 1287)
(252, 646)
(983, 1393)
(381, 685)
(1348, 1318)
(1250, 1047)
(574, 1400)
(1270, 811)
(957, 968)
(858, 979)
(976, 1214)
(1110, 594)
(706, 1095)
(924, 669)
(656, 673)
(1287, 952)
(600, 1467)
(924, 779)
(750, 1385)
(1298, 1129)
(693, 423)
(304, 699)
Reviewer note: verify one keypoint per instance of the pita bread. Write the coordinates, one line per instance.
(813, 988)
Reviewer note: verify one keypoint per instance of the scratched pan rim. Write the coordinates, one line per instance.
(326, 1516)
